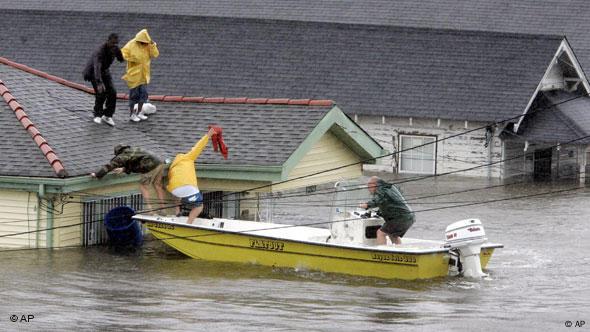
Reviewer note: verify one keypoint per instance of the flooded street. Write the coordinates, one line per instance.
(540, 280)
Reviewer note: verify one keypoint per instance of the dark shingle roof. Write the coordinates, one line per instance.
(18, 153)
(29, 126)
(561, 17)
(256, 134)
(366, 69)
(567, 121)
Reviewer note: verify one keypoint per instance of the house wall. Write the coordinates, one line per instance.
(567, 162)
(232, 185)
(455, 154)
(585, 166)
(18, 213)
(68, 210)
(68, 217)
(327, 153)
(518, 163)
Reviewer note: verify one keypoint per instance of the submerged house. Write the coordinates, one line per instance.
(406, 86)
(49, 146)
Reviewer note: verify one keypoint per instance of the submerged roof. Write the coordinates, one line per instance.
(258, 132)
(368, 69)
(568, 121)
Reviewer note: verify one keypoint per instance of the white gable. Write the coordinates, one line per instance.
(563, 73)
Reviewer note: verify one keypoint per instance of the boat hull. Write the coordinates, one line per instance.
(218, 245)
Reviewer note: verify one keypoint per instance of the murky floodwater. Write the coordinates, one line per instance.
(540, 280)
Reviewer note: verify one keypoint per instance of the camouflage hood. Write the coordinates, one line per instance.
(119, 148)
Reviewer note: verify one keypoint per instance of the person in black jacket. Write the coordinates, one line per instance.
(97, 72)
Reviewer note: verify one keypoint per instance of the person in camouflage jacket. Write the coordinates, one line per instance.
(393, 208)
(136, 160)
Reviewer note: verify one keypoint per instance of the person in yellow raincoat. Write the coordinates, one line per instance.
(182, 179)
(138, 53)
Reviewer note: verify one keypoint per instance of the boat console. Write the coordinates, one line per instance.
(355, 226)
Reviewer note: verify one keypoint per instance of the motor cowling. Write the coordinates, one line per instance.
(466, 238)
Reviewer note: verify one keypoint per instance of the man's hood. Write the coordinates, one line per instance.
(382, 185)
(119, 148)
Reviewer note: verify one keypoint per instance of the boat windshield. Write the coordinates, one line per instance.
(347, 197)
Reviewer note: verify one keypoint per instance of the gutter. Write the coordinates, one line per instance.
(40, 194)
(49, 238)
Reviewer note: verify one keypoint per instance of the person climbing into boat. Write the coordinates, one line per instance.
(393, 208)
(136, 160)
(182, 179)
(138, 52)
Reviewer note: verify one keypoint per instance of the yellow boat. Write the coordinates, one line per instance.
(347, 247)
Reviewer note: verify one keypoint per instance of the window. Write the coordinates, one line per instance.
(213, 204)
(417, 160)
(93, 212)
(94, 232)
(221, 204)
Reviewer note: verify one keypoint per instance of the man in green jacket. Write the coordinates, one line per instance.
(393, 208)
(136, 160)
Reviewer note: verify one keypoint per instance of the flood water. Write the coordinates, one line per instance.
(538, 282)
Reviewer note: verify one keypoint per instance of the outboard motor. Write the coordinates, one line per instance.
(465, 237)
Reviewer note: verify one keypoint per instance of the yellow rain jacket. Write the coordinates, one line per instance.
(182, 172)
(138, 58)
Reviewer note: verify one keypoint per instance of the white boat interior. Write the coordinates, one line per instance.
(354, 237)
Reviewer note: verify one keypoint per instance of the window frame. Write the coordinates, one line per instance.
(95, 208)
(434, 138)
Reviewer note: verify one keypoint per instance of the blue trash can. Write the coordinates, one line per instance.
(121, 228)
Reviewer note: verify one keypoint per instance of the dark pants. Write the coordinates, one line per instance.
(398, 227)
(109, 96)
(138, 95)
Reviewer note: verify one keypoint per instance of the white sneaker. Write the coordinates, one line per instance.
(97, 120)
(108, 120)
(134, 118)
(141, 116)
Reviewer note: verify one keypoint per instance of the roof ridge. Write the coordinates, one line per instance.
(167, 98)
(54, 161)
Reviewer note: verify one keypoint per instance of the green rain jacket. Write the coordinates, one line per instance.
(134, 160)
(391, 203)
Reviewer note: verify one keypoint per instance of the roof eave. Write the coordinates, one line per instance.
(85, 182)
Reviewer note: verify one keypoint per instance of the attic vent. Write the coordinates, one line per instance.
(554, 79)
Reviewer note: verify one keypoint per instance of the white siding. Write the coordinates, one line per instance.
(68, 218)
(328, 153)
(455, 154)
(18, 213)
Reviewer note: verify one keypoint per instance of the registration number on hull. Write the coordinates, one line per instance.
(394, 258)
(160, 226)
